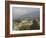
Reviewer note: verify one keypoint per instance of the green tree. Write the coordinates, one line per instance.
(34, 25)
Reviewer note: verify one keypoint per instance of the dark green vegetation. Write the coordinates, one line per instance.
(26, 24)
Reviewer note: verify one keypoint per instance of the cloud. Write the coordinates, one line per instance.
(19, 11)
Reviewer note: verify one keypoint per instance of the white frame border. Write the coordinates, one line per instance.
(27, 31)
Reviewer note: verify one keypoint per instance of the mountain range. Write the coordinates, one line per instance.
(33, 15)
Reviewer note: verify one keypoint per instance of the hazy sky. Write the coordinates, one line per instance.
(19, 11)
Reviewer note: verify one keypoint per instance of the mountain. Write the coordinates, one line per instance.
(33, 15)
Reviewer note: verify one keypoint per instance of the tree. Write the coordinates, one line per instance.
(34, 25)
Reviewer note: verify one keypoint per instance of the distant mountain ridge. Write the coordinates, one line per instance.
(33, 15)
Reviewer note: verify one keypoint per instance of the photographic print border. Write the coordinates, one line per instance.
(24, 31)
(7, 18)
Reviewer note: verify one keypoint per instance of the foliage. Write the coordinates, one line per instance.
(26, 24)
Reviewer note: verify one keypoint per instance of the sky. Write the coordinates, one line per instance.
(19, 11)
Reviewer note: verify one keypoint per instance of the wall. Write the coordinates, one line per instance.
(2, 20)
